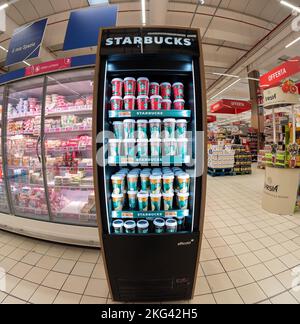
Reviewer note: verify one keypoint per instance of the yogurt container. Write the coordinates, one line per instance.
(130, 227)
(129, 102)
(169, 147)
(143, 227)
(117, 184)
(171, 225)
(169, 127)
(143, 86)
(130, 86)
(143, 102)
(155, 184)
(183, 181)
(142, 128)
(180, 222)
(159, 224)
(129, 128)
(182, 146)
(129, 147)
(155, 128)
(181, 128)
(178, 90)
(154, 89)
(118, 226)
(145, 181)
(166, 90)
(118, 129)
(132, 200)
(166, 104)
(168, 201)
(155, 202)
(168, 183)
(142, 148)
(183, 200)
(143, 201)
(115, 147)
(132, 182)
(179, 104)
(155, 146)
(156, 102)
(117, 87)
(116, 103)
(117, 200)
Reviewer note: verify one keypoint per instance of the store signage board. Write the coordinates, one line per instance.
(280, 73)
(84, 25)
(47, 67)
(227, 106)
(149, 41)
(26, 42)
(276, 97)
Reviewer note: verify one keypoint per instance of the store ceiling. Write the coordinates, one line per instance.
(229, 28)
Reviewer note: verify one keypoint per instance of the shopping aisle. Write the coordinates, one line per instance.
(247, 256)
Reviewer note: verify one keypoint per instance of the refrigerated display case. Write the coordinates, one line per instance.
(150, 160)
(4, 206)
(68, 147)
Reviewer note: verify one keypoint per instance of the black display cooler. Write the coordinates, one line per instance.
(151, 266)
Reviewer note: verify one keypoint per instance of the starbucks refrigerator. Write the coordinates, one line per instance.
(150, 160)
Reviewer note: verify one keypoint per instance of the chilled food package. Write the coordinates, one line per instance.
(117, 87)
(166, 90)
(129, 128)
(116, 103)
(169, 127)
(143, 200)
(143, 86)
(181, 128)
(142, 227)
(142, 129)
(142, 148)
(154, 89)
(156, 102)
(178, 90)
(179, 104)
(155, 128)
(166, 104)
(143, 102)
(130, 86)
(129, 102)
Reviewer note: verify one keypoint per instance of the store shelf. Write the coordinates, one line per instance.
(72, 188)
(80, 110)
(31, 211)
(149, 114)
(24, 184)
(69, 149)
(23, 116)
(150, 214)
(67, 130)
(18, 133)
(152, 160)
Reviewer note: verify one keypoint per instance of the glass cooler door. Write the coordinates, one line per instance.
(4, 208)
(68, 147)
(23, 148)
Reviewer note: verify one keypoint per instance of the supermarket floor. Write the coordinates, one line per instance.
(248, 256)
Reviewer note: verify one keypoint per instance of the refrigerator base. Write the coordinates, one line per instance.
(151, 268)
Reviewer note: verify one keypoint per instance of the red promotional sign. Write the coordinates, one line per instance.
(233, 107)
(280, 73)
(52, 66)
(211, 119)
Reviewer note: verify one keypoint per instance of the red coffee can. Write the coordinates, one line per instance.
(116, 103)
(130, 86)
(179, 104)
(129, 102)
(156, 102)
(143, 86)
(166, 104)
(178, 90)
(117, 87)
(154, 89)
(166, 90)
(143, 102)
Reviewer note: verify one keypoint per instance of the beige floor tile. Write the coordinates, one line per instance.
(259, 272)
(249, 259)
(275, 266)
(296, 294)
(284, 299)
(20, 270)
(264, 255)
(278, 250)
(207, 255)
(290, 261)
(67, 298)
(93, 300)
(223, 252)
(7, 264)
(56, 251)
(271, 287)
(99, 271)
(55, 280)
(18, 254)
(212, 267)
(83, 269)
(240, 277)
(44, 295)
(231, 264)
(203, 300)
(24, 290)
(228, 297)
(47, 262)
(32, 258)
(254, 245)
(10, 300)
(36, 275)
(11, 283)
(202, 287)
(42, 248)
(286, 278)
(6, 250)
(90, 256)
(252, 294)
(72, 254)
(266, 302)
(219, 282)
(64, 266)
(216, 242)
(75, 284)
(97, 288)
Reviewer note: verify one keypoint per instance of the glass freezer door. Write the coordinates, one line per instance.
(68, 147)
(3, 198)
(23, 148)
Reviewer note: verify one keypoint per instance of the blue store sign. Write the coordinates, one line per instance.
(26, 42)
(84, 25)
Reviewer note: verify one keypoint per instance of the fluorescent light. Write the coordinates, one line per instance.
(289, 5)
(293, 42)
(3, 49)
(227, 75)
(231, 85)
(26, 63)
(143, 3)
(4, 6)
(253, 79)
(97, 2)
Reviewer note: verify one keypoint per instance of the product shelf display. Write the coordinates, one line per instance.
(151, 115)
(68, 147)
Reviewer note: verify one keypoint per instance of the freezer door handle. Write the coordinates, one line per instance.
(37, 148)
